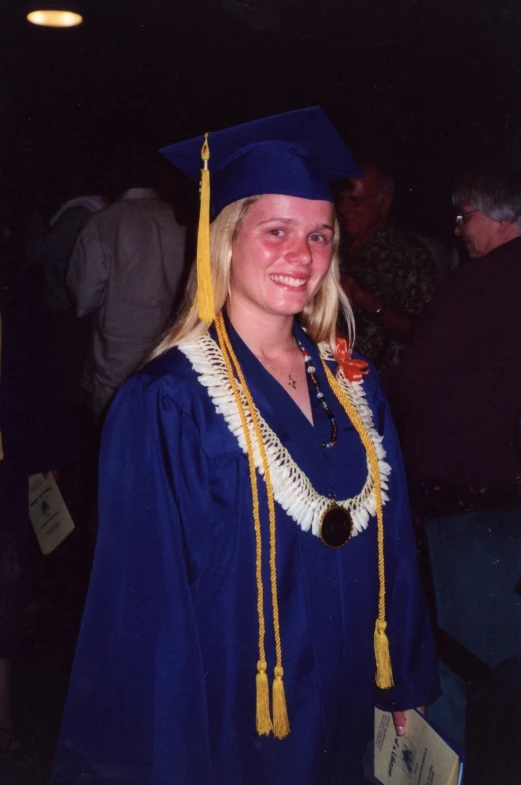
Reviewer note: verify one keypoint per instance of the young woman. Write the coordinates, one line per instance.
(255, 552)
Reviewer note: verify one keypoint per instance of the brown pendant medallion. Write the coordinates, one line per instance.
(336, 526)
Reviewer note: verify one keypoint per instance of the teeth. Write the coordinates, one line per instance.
(287, 280)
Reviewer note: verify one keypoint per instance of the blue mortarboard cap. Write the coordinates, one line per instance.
(297, 153)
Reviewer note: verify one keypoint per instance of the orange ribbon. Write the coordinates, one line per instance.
(353, 369)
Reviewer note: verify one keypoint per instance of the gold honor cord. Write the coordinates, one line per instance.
(280, 726)
(384, 676)
(264, 724)
(384, 673)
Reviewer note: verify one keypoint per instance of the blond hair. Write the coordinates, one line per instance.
(319, 318)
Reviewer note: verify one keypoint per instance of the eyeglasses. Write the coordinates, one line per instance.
(462, 217)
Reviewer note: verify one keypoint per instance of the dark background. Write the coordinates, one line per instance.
(426, 85)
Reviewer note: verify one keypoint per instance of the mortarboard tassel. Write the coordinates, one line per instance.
(205, 293)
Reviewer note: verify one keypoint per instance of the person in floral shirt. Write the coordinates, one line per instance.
(388, 275)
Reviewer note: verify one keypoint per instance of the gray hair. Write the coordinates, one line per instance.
(493, 194)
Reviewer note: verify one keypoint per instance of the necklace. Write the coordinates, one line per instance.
(291, 381)
(320, 395)
(292, 488)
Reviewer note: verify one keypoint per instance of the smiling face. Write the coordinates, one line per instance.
(280, 255)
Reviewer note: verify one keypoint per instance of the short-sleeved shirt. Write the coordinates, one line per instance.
(397, 267)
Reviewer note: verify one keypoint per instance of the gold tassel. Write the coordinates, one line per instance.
(263, 718)
(280, 725)
(384, 673)
(264, 724)
(205, 292)
(280, 712)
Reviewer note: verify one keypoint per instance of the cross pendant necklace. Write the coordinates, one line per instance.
(291, 381)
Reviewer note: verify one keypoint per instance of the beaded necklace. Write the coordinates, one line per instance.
(320, 395)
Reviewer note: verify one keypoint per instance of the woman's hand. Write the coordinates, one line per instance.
(400, 722)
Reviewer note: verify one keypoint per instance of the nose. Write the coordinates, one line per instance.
(300, 251)
(457, 230)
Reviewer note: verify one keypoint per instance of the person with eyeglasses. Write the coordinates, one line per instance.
(458, 389)
(389, 275)
(485, 228)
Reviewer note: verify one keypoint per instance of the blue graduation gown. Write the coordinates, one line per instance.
(163, 685)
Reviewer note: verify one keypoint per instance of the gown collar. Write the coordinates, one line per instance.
(274, 402)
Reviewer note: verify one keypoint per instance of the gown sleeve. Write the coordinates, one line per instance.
(136, 708)
(415, 670)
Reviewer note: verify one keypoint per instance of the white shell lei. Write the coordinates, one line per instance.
(291, 487)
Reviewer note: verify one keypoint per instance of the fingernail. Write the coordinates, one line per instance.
(400, 730)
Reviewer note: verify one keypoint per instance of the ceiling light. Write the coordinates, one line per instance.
(54, 15)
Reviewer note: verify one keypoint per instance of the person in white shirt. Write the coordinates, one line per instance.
(125, 271)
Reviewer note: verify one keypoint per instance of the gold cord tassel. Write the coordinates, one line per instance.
(264, 725)
(205, 292)
(280, 712)
(263, 718)
(384, 674)
(384, 671)
(280, 726)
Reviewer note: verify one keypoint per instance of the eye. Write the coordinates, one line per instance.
(318, 238)
(276, 232)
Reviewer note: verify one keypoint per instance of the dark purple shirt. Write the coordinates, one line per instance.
(457, 393)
